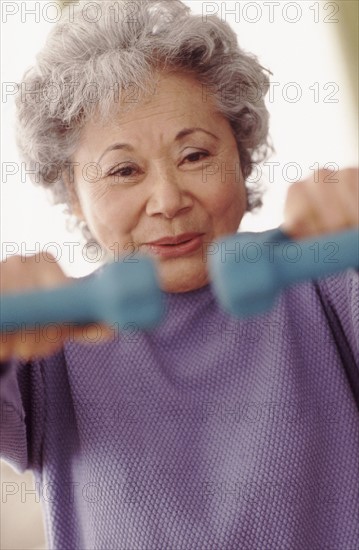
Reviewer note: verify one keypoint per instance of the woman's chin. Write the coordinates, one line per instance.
(178, 278)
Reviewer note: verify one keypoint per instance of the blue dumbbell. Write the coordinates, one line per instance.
(120, 292)
(248, 270)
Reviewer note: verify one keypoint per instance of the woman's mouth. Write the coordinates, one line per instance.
(175, 250)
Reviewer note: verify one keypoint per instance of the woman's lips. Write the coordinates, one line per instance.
(174, 250)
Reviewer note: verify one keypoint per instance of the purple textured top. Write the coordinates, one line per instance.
(209, 432)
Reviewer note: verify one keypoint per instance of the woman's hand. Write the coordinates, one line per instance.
(329, 205)
(26, 273)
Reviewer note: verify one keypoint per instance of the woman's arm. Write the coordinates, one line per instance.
(13, 445)
(328, 203)
(22, 360)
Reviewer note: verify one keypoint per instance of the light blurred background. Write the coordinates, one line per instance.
(310, 47)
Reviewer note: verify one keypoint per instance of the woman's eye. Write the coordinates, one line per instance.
(124, 172)
(193, 157)
(128, 171)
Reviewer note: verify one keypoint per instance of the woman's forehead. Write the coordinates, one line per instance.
(176, 100)
(182, 88)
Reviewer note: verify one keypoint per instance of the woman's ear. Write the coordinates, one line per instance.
(72, 195)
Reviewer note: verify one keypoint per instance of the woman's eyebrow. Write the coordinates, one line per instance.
(186, 131)
(181, 134)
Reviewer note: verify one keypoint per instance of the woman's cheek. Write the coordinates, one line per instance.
(229, 197)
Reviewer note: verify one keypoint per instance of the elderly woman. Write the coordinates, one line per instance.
(209, 431)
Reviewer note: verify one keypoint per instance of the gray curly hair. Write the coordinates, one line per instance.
(97, 50)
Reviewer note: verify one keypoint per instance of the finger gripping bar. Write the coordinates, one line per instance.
(120, 292)
(248, 270)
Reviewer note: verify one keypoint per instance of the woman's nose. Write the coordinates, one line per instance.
(167, 196)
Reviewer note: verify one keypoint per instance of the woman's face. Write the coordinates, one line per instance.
(167, 167)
